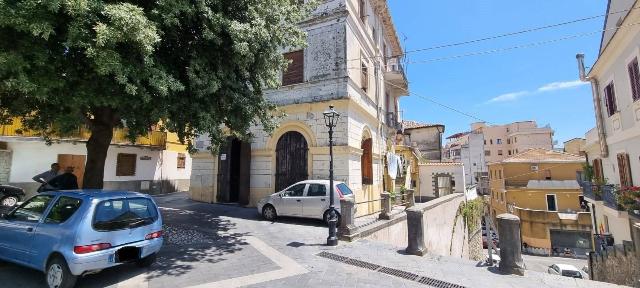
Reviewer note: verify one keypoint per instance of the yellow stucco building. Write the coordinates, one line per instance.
(541, 187)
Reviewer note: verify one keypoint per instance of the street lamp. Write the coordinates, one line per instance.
(331, 118)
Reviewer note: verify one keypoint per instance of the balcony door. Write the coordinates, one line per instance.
(75, 161)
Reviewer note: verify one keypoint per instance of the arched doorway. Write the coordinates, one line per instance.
(291, 159)
(233, 171)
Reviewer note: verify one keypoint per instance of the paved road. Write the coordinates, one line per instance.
(209, 245)
(540, 263)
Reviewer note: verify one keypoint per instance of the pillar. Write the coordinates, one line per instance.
(510, 244)
(411, 200)
(347, 219)
(385, 199)
(415, 232)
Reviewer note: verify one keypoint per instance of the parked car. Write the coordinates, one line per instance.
(67, 234)
(565, 270)
(10, 195)
(495, 256)
(307, 199)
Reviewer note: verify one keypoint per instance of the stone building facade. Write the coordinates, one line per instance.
(426, 138)
(352, 61)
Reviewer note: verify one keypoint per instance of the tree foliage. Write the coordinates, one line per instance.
(190, 65)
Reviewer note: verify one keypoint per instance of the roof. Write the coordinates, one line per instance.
(441, 164)
(539, 155)
(389, 28)
(617, 11)
(458, 135)
(410, 124)
(576, 138)
(96, 193)
(553, 184)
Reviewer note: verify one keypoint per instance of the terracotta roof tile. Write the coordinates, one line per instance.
(410, 124)
(539, 155)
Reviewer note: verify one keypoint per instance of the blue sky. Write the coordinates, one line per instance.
(538, 83)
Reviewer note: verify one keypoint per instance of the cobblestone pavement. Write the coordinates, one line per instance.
(209, 245)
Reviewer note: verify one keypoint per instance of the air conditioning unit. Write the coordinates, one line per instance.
(534, 167)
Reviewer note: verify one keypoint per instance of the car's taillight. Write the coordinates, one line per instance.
(153, 235)
(339, 193)
(91, 248)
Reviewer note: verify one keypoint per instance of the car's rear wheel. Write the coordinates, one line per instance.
(58, 274)
(9, 201)
(269, 212)
(147, 261)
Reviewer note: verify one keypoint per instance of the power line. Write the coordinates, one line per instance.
(429, 99)
(497, 50)
(528, 45)
(501, 35)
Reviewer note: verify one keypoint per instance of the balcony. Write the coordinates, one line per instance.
(605, 193)
(394, 73)
(393, 122)
(591, 191)
(155, 139)
(516, 183)
(610, 197)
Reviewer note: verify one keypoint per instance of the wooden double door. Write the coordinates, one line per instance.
(291, 159)
(75, 161)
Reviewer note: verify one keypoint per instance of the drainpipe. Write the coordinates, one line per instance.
(595, 90)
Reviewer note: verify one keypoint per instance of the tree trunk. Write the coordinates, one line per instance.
(101, 134)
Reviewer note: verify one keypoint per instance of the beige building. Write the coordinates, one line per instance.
(613, 146)
(352, 61)
(502, 141)
(426, 138)
(575, 146)
(540, 186)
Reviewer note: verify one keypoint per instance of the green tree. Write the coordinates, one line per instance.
(191, 65)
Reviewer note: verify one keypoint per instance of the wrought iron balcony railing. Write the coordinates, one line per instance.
(591, 191)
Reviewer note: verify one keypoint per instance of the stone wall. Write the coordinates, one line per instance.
(5, 166)
(436, 227)
(619, 264)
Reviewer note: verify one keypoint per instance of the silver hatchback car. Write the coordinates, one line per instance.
(67, 234)
(307, 199)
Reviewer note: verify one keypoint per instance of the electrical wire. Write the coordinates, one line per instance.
(473, 41)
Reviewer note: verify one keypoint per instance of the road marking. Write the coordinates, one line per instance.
(288, 268)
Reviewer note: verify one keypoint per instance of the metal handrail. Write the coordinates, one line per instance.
(369, 201)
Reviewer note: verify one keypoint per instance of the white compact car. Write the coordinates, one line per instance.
(307, 199)
(565, 270)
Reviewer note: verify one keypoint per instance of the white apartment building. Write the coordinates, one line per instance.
(486, 144)
(352, 61)
(504, 141)
(613, 146)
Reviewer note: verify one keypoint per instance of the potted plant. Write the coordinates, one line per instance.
(629, 199)
(403, 191)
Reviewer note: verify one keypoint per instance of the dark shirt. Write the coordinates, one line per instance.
(66, 181)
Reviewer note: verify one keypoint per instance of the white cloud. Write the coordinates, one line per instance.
(561, 85)
(555, 86)
(508, 96)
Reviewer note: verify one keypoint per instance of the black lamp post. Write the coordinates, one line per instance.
(331, 118)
